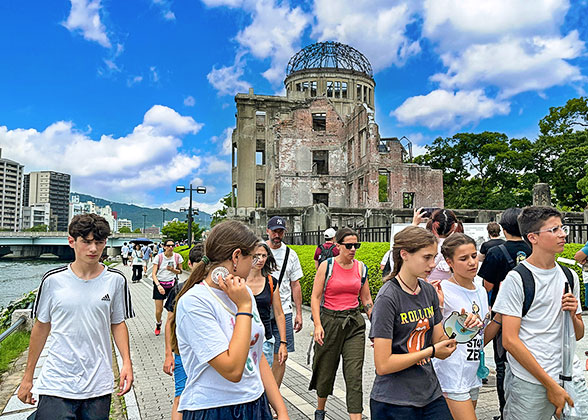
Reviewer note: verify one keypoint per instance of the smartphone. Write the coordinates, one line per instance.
(428, 211)
(170, 264)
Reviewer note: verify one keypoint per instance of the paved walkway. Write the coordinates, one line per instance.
(152, 393)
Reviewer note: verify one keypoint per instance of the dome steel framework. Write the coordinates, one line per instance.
(329, 55)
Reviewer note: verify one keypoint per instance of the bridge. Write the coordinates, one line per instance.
(37, 244)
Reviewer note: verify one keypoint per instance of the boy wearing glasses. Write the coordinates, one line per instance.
(533, 341)
(166, 268)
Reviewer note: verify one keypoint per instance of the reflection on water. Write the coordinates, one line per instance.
(20, 277)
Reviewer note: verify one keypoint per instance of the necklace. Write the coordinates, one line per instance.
(413, 291)
(458, 283)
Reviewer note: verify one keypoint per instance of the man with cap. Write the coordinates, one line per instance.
(326, 250)
(288, 273)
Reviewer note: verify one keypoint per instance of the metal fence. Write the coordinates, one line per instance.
(578, 235)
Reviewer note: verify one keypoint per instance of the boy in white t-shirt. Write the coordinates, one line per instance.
(80, 305)
(533, 341)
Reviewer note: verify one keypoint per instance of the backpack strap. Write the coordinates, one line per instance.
(328, 275)
(284, 264)
(528, 287)
(363, 272)
(177, 259)
(159, 260)
(506, 254)
(529, 284)
(271, 284)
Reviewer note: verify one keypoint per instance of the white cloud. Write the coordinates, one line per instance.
(228, 3)
(442, 108)
(514, 65)
(153, 74)
(215, 165)
(226, 140)
(274, 33)
(376, 28)
(126, 167)
(226, 80)
(184, 202)
(111, 66)
(168, 122)
(84, 17)
(133, 80)
(190, 101)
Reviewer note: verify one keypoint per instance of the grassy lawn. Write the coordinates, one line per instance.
(12, 347)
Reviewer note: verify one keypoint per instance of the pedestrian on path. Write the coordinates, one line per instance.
(339, 327)
(173, 362)
(531, 333)
(267, 296)
(137, 263)
(124, 253)
(80, 304)
(147, 252)
(219, 334)
(166, 268)
(288, 272)
(407, 333)
(327, 249)
(461, 374)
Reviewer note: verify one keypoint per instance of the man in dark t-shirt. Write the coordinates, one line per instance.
(494, 269)
(493, 229)
(329, 244)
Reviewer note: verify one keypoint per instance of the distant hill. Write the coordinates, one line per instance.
(135, 213)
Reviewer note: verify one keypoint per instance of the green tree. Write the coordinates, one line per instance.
(220, 215)
(573, 116)
(138, 230)
(37, 228)
(124, 229)
(484, 170)
(178, 231)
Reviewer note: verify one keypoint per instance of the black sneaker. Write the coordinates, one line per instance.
(319, 415)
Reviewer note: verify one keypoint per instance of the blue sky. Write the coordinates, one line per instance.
(134, 97)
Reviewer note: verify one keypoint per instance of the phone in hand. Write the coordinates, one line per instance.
(428, 211)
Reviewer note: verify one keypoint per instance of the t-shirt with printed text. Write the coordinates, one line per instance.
(407, 320)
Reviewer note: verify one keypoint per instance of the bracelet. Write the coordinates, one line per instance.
(433, 354)
(284, 342)
(498, 322)
(244, 313)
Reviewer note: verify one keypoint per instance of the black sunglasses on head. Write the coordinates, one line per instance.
(349, 246)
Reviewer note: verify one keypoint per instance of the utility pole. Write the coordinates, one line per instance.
(144, 218)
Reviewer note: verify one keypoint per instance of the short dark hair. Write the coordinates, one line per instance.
(493, 229)
(509, 221)
(343, 233)
(169, 240)
(84, 224)
(532, 219)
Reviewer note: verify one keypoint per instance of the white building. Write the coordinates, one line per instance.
(35, 215)
(11, 193)
(125, 223)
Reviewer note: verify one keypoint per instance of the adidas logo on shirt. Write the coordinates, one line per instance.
(106, 297)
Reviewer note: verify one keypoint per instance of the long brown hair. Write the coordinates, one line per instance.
(222, 241)
(411, 239)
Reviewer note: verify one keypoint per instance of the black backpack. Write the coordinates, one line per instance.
(326, 253)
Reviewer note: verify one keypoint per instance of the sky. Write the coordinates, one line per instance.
(135, 97)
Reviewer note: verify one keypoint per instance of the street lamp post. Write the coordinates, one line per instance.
(163, 216)
(199, 190)
(144, 218)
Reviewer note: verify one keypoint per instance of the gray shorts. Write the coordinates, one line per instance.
(524, 397)
(472, 394)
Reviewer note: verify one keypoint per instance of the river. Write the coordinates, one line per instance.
(20, 277)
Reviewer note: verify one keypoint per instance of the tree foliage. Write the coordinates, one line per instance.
(37, 228)
(124, 229)
(489, 170)
(220, 215)
(178, 231)
(138, 230)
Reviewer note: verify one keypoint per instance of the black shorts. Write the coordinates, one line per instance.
(159, 296)
(51, 408)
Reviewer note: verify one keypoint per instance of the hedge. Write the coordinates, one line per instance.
(371, 253)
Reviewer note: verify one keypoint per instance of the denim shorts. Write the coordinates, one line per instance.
(179, 375)
(50, 408)
(268, 350)
(472, 394)
(435, 410)
(289, 334)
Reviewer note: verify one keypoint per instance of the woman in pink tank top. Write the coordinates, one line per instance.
(339, 327)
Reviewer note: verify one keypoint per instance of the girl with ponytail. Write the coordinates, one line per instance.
(219, 334)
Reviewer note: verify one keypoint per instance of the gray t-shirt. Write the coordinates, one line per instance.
(408, 320)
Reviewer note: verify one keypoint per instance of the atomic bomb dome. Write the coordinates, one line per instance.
(332, 70)
(329, 55)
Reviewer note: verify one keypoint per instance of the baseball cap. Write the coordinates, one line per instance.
(330, 233)
(276, 222)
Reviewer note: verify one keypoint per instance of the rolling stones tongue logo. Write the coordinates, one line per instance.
(416, 340)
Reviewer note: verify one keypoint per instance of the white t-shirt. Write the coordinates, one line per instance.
(387, 256)
(204, 329)
(457, 373)
(79, 363)
(293, 273)
(124, 251)
(137, 256)
(163, 274)
(541, 328)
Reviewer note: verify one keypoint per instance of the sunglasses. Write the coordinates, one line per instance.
(349, 246)
(169, 245)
